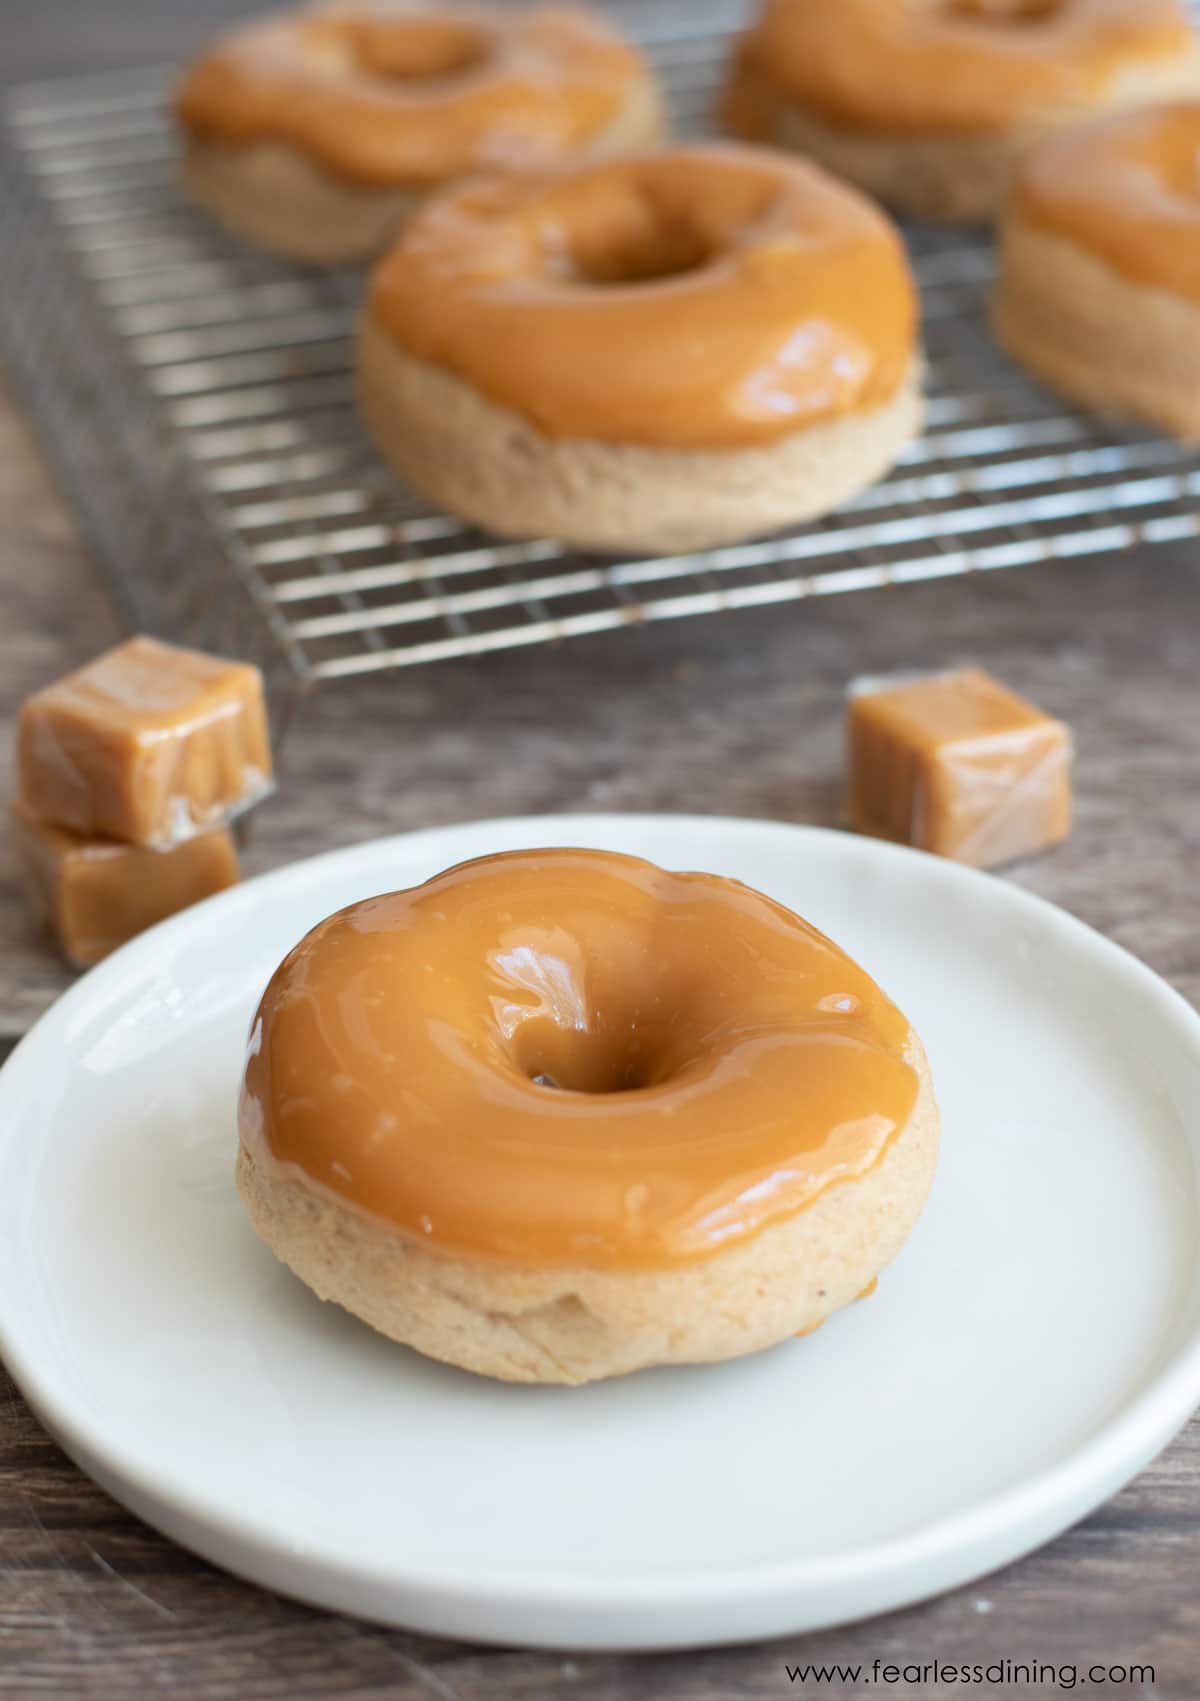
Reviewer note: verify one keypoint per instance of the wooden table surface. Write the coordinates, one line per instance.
(740, 717)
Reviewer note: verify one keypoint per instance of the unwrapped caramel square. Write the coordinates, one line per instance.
(149, 743)
(95, 894)
(957, 764)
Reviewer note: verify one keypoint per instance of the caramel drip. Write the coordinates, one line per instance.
(707, 297)
(866, 1293)
(567, 1058)
(409, 100)
(1128, 191)
(948, 65)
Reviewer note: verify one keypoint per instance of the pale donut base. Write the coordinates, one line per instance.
(275, 196)
(958, 178)
(1116, 346)
(578, 1325)
(270, 195)
(488, 464)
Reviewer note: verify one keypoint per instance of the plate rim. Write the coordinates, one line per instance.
(1109, 1457)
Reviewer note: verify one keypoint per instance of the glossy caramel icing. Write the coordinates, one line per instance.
(705, 297)
(927, 66)
(1128, 191)
(409, 99)
(566, 1057)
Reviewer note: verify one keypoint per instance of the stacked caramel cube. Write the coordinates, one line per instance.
(129, 772)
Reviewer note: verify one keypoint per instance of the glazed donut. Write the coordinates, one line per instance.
(558, 1115)
(932, 104)
(315, 133)
(1099, 286)
(647, 354)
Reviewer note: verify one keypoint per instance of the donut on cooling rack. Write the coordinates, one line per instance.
(931, 104)
(314, 133)
(1099, 287)
(559, 1115)
(656, 353)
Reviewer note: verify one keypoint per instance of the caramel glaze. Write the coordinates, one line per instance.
(391, 100)
(566, 1058)
(958, 66)
(1128, 191)
(866, 1293)
(705, 297)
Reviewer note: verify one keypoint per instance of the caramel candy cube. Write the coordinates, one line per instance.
(95, 894)
(149, 743)
(956, 764)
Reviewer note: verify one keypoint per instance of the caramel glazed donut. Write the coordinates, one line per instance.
(1099, 288)
(315, 133)
(558, 1115)
(932, 104)
(656, 353)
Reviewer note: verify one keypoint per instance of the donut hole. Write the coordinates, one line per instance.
(645, 249)
(416, 49)
(1002, 11)
(593, 1061)
(649, 221)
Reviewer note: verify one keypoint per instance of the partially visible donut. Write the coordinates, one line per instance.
(932, 104)
(557, 1115)
(314, 133)
(1099, 287)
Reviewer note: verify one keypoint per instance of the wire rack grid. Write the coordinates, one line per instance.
(196, 398)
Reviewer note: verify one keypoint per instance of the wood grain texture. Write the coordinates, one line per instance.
(739, 716)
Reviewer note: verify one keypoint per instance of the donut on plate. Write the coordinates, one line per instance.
(931, 104)
(558, 1115)
(655, 353)
(1099, 287)
(314, 133)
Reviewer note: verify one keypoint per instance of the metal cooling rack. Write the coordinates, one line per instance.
(196, 398)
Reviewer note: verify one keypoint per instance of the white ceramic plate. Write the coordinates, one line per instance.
(1035, 1344)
